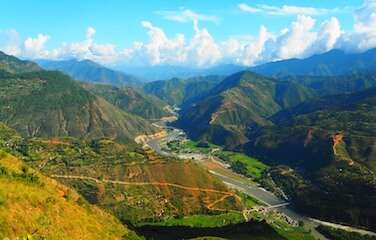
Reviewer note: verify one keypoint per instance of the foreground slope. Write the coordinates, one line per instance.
(32, 205)
(236, 105)
(136, 185)
(330, 146)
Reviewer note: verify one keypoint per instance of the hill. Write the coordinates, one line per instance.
(179, 91)
(330, 85)
(47, 103)
(236, 105)
(33, 206)
(89, 71)
(136, 185)
(131, 100)
(334, 62)
(14, 65)
(329, 146)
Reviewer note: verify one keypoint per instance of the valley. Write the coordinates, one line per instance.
(209, 157)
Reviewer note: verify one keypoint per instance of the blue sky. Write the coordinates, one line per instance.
(116, 26)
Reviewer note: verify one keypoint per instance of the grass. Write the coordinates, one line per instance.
(202, 220)
(254, 167)
(51, 211)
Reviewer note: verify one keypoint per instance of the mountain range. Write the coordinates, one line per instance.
(238, 103)
(334, 62)
(89, 71)
(49, 103)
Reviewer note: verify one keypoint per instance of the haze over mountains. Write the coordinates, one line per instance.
(334, 62)
(89, 71)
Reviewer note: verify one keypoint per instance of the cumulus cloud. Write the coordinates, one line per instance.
(302, 38)
(34, 47)
(187, 15)
(364, 35)
(203, 49)
(327, 36)
(294, 41)
(283, 10)
(161, 49)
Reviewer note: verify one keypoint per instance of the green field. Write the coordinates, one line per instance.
(203, 220)
(252, 167)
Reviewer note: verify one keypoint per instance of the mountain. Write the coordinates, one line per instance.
(334, 62)
(89, 71)
(330, 85)
(329, 145)
(179, 91)
(33, 206)
(131, 100)
(162, 72)
(236, 105)
(49, 103)
(14, 65)
(52, 104)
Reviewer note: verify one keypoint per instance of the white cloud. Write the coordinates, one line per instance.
(187, 15)
(246, 8)
(283, 10)
(34, 47)
(300, 39)
(328, 35)
(364, 35)
(160, 49)
(10, 42)
(203, 50)
(296, 40)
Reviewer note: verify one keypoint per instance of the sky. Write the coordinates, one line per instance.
(185, 33)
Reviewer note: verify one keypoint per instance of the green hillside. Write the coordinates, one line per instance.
(52, 104)
(169, 187)
(33, 206)
(131, 100)
(14, 65)
(238, 104)
(178, 91)
(330, 145)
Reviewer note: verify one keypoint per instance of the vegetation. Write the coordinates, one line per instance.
(51, 104)
(104, 159)
(33, 206)
(14, 65)
(131, 100)
(181, 91)
(243, 164)
(332, 139)
(337, 234)
(238, 104)
(203, 220)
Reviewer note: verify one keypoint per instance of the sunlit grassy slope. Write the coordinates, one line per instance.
(34, 205)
